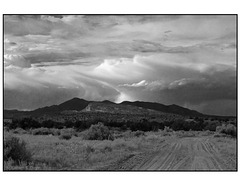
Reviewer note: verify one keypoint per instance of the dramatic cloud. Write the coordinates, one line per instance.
(185, 60)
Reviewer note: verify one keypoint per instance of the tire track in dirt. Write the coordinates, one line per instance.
(211, 155)
(153, 163)
(190, 153)
(164, 159)
(168, 162)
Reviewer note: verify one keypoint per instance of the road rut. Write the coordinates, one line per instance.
(185, 154)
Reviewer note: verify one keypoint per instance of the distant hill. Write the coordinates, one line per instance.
(73, 104)
(126, 107)
(174, 109)
(113, 108)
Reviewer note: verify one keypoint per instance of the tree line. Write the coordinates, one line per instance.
(143, 125)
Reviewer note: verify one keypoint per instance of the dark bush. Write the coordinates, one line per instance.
(144, 125)
(27, 123)
(42, 131)
(178, 125)
(229, 129)
(67, 133)
(55, 132)
(211, 126)
(65, 136)
(107, 148)
(98, 132)
(138, 133)
(16, 150)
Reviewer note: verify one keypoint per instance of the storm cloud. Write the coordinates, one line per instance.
(184, 60)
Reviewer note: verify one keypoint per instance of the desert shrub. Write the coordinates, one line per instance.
(70, 131)
(65, 136)
(206, 133)
(178, 125)
(108, 149)
(219, 135)
(229, 129)
(55, 132)
(6, 129)
(98, 132)
(220, 129)
(138, 133)
(165, 133)
(211, 125)
(46, 131)
(25, 123)
(42, 131)
(89, 149)
(233, 122)
(182, 134)
(168, 129)
(19, 131)
(16, 150)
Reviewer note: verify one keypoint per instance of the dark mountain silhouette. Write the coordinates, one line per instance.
(107, 102)
(183, 111)
(78, 104)
(175, 109)
(73, 104)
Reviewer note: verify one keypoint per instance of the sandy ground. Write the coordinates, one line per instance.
(191, 153)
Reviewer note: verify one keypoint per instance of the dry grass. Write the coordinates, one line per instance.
(51, 153)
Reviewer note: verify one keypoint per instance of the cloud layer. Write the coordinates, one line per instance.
(185, 60)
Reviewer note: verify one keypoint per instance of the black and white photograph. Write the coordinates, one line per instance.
(120, 92)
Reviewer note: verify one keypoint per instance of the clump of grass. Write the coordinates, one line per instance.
(89, 149)
(108, 148)
(219, 135)
(42, 131)
(65, 136)
(46, 131)
(167, 129)
(98, 132)
(206, 133)
(19, 131)
(183, 133)
(15, 150)
(138, 133)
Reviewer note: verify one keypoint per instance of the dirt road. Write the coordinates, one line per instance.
(192, 153)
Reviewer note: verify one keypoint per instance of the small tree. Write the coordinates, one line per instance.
(98, 132)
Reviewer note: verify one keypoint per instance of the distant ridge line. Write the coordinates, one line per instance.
(79, 104)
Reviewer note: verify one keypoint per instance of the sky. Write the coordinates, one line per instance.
(188, 60)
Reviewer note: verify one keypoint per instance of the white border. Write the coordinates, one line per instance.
(116, 7)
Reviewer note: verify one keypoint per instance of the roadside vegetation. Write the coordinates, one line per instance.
(84, 145)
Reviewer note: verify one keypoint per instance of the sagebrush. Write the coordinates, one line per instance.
(15, 149)
(98, 132)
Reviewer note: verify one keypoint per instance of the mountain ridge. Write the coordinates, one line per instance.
(174, 109)
(78, 104)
